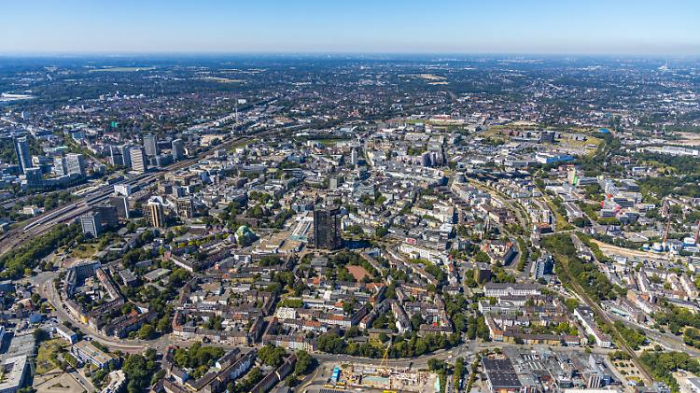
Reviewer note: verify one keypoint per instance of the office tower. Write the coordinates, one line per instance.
(162, 160)
(138, 160)
(354, 157)
(178, 150)
(154, 214)
(91, 224)
(34, 176)
(125, 150)
(22, 149)
(108, 215)
(59, 166)
(121, 204)
(185, 208)
(75, 164)
(116, 156)
(150, 145)
(327, 229)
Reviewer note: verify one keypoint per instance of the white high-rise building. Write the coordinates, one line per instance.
(75, 164)
(138, 160)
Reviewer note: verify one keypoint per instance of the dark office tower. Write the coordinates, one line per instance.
(24, 160)
(108, 215)
(116, 156)
(150, 145)
(178, 150)
(327, 229)
(185, 208)
(121, 204)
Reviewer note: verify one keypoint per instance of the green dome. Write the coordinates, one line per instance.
(244, 231)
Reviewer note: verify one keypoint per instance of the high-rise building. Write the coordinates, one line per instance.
(24, 160)
(34, 176)
(162, 160)
(185, 208)
(178, 150)
(125, 150)
(138, 160)
(59, 166)
(121, 204)
(116, 156)
(150, 145)
(75, 164)
(327, 229)
(108, 215)
(91, 224)
(354, 157)
(154, 214)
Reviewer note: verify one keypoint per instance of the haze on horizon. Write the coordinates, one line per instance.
(623, 27)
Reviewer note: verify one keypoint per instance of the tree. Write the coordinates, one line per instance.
(416, 321)
(146, 332)
(305, 363)
(271, 355)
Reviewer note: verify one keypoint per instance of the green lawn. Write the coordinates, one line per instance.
(47, 358)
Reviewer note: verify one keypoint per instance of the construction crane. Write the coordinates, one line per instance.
(668, 227)
(383, 366)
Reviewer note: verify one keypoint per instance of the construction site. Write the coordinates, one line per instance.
(373, 378)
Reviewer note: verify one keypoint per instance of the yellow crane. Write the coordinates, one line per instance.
(383, 366)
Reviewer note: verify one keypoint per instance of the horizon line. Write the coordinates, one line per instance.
(320, 53)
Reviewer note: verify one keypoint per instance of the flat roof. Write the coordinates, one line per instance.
(13, 370)
(501, 373)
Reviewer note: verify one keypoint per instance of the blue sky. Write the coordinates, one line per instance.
(660, 27)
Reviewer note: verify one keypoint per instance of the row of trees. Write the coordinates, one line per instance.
(20, 261)
(664, 364)
(403, 346)
(592, 280)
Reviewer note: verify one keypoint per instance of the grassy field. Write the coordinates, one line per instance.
(86, 250)
(241, 144)
(46, 359)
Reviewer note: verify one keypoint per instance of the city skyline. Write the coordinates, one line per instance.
(310, 26)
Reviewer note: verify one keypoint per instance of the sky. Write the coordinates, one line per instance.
(617, 27)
